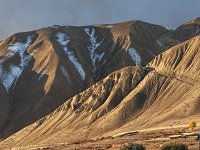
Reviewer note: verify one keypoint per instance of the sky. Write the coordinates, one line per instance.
(26, 15)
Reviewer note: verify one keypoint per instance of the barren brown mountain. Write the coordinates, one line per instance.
(67, 83)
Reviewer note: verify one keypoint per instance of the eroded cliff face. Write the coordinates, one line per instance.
(66, 79)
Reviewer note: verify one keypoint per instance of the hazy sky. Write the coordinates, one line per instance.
(24, 15)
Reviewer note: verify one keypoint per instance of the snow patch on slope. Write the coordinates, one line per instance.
(63, 40)
(65, 73)
(20, 48)
(17, 48)
(35, 51)
(134, 56)
(151, 53)
(95, 57)
(159, 43)
(9, 76)
(43, 72)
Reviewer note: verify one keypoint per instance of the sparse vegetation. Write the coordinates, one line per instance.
(175, 147)
(133, 146)
(192, 125)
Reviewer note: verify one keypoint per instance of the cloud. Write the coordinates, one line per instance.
(24, 15)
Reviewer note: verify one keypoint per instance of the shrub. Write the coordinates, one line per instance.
(133, 146)
(175, 147)
(192, 124)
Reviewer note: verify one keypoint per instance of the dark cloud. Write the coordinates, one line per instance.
(24, 15)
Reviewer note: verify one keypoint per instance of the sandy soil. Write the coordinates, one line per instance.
(151, 139)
